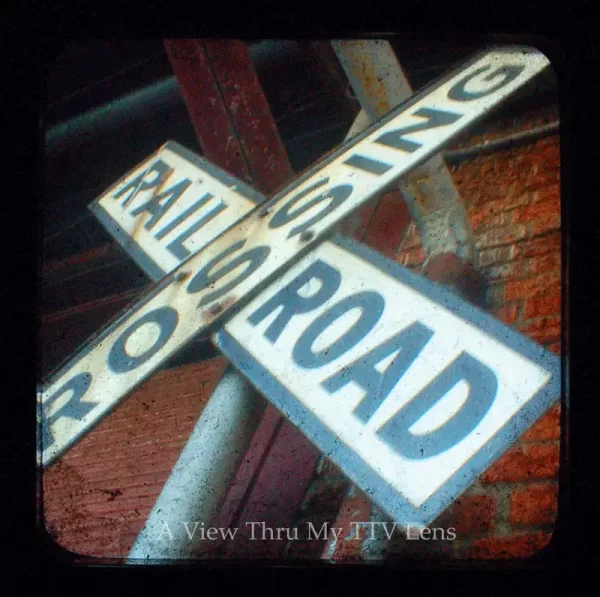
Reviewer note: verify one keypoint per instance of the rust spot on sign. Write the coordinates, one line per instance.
(158, 188)
(374, 86)
(211, 313)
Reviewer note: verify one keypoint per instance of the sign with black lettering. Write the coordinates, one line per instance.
(210, 285)
(171, 206)
(410, 390)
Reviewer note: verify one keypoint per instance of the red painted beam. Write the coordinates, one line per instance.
(236, 131)
(388, 224)
(228, 110)
(275, 496)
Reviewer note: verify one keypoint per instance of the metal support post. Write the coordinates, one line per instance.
(200, 479)
(434, 203)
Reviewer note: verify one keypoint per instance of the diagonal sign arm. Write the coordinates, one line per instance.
(226, 274)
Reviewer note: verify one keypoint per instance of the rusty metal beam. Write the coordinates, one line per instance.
(380, 84)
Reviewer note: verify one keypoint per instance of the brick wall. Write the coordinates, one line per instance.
(516, 220)
(99, 494)
(512, 198)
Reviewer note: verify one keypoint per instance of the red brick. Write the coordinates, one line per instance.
(529, 158)
(551, 141)
(544, 224)
(531, 288)
(501, 236)
(507, 173)
(547, 336)
(543, 177)
(468, 515)
(507, 313)
(554, 347)
(540, 324)
(535, 504)
(546, 263)
(544, 305)
(498, 206)
(548, 157)
(545, 194)
(485, 223)
(507, 271)
(496, 255)
(543, 330)
(525, 462)
(550, 243)
(542, 209)
(546, 428)
(519, 546)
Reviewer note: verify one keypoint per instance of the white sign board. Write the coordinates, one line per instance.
(220, 278)
(170, 206)
(410, 390)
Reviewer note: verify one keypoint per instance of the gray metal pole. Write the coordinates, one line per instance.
(380, 85)
(199, 480)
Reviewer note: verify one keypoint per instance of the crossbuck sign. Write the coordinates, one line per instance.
(410, 390)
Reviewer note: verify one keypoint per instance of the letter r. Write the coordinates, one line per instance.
(293, 303)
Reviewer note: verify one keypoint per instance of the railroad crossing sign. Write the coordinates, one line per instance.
(228, 272)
